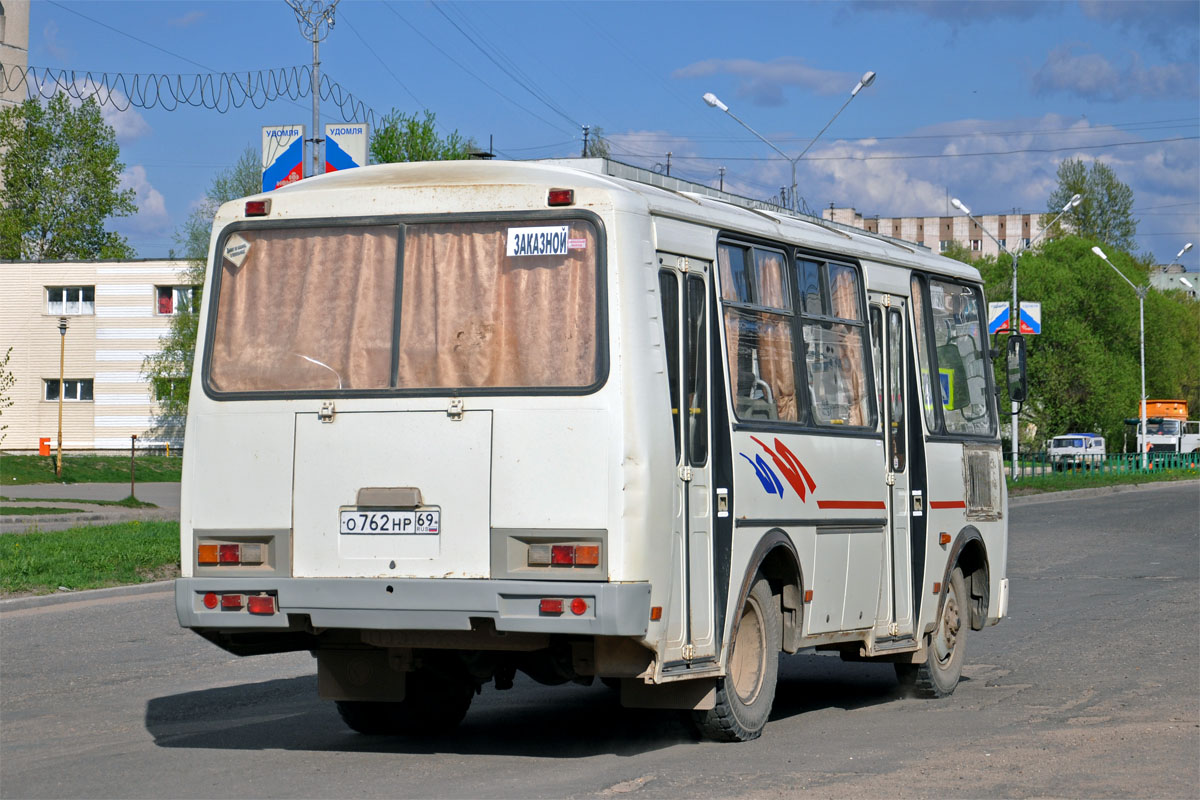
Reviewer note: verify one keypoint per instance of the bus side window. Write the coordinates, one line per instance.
(696, 401)
(835, 347)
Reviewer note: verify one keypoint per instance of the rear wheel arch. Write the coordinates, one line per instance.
(776, 560)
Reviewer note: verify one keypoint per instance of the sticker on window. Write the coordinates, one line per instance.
(549, 241)
(236, 250)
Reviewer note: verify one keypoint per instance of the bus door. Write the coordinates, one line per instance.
(683, 285)
(889, 337)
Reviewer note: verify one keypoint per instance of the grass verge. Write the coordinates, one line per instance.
(88, 557)
(21, 470)
(128, 502)
(1064, 481)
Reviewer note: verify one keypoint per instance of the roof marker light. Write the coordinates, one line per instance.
(560, 197)
(258, 208)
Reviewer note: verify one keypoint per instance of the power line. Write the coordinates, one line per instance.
(459, 64)
(521, 79)
(128, 35)
(382, 63)
(939, 155)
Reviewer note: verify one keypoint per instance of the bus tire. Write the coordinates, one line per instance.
(943, 666)
(746, 693)
(435, 701)
(370, 717)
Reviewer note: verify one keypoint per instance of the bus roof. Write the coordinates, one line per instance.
(661, 195)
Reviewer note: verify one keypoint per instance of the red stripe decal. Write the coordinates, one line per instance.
(870, 505)
(947, 504)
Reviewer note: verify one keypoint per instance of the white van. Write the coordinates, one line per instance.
(455, 420)
(1076, 451)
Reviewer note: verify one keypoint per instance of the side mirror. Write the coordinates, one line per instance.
(1018, 383)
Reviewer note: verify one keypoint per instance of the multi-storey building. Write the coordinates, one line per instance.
(14, 50)
(115, 313)
(1014, 231)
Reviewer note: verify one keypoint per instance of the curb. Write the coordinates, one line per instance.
(1094, 491)
(18, 603)
(37, 601)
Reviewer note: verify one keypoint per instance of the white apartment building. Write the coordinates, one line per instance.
(1014, 231)
(116, 312)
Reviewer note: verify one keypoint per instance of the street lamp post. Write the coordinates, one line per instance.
(1014, 312)
(866, 80)
(1141, 293)
(62, 357)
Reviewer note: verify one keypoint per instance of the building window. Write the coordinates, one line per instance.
(976, 245)
(75, 390)
(1004, 243)
(944, 245)
(70, 300)
(1025, 242)
(175, 299)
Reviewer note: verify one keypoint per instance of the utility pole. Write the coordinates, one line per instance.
(586, 128)
(315, 19)
(721, 170)
(668, 165)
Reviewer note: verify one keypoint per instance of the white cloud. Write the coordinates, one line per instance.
(51, 43)
(152, 216)
(762, 82)
(187, 20)
(1093, 77)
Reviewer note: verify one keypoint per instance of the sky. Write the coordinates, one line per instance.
(975, 100)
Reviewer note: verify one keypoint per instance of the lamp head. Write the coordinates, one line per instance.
(866, 80)
(62, 325)
(959, 205)
(1186, 247)
(1099, 252)
(714, 101)
(1074, 201)
(1186, 283)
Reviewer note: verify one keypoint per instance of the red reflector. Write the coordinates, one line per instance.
(560, 197)
(261, 604)
(231, 601)
(210, 600)
(229, 553)
(258, 208)
(562, 554)
(578, 606)
(551, 605)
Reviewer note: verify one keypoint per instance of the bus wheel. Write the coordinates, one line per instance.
(435, 701)
(370, 717)
(745, 694)
(940, 673)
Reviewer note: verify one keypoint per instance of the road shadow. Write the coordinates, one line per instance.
(528, 720)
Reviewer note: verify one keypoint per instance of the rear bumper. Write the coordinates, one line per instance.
(613, 609)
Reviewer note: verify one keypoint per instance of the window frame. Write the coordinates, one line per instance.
(63, 312)
(926, 356)
(176, 290)
(79, 383)
(401, 223)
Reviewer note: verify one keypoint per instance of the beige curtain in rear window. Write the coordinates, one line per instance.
(473, 316)
(306, 309)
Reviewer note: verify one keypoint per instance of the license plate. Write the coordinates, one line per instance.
(386, 521)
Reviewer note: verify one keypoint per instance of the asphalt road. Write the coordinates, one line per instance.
(1090, 689)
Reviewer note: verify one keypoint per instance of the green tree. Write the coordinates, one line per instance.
(7, 379)
(407, 137)
(170, 369)
(1085, 367)
(1106, 209)
(61, 183)
(597, 144)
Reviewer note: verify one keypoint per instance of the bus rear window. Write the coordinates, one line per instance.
(482, 305)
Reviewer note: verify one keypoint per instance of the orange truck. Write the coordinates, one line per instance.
(1168, 428)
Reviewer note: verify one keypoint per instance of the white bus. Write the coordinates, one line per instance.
(455, 420)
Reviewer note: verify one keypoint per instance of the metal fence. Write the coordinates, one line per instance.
(1032, 465)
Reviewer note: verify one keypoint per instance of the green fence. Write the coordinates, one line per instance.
(1039, 463)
